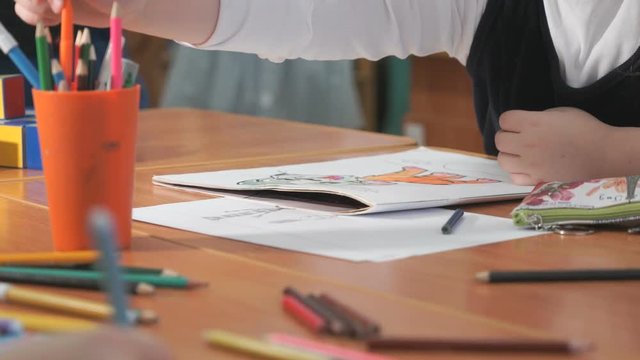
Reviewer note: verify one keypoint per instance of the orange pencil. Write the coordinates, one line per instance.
(66, 40)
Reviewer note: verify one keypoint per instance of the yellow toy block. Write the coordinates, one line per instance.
(11, 145)
(11, 96)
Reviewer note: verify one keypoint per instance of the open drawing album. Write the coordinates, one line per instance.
(413, 179)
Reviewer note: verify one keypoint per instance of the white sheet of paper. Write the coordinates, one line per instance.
(413, 179)
(373, 237)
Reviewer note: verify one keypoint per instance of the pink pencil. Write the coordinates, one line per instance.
(321, 348)
(116, 47)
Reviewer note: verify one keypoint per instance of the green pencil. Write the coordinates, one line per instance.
(44, 58)
(156, 280)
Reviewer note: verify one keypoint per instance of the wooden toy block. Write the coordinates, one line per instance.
(33, 159)
(12, 100)
(11, 145)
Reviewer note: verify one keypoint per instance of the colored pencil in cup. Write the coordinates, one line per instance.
(559, 275)
(257, 348)
(81, 81)
(49, 258)
(9, 46)
(67, 41)
(77, 49)
(484, 345)
(116, 48)
(57, 73)
(43, 57)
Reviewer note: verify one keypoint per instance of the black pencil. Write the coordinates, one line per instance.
(559, 275)
(361, 326)
(494, 345)
(448, 227)
(334, 325)
(137, 288)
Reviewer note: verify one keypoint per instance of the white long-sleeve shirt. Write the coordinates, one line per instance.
(591, 37)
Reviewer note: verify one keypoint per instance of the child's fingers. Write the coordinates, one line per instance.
(508, 142)
(522, 179)
(56, 5)
(33, 12)
(511, 163)
(514, 120)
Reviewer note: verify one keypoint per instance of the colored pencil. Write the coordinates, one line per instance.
(9, 46)
(57, 73)
(559, 275)
(43, 57)
(47, 33)
(363, 326)
(493, 345)
(159, 281)
(130, 71)
(453, 221)
(256, 347)
(102, 227)
(333, 351)
(10, 327)
(67, 304)
(81, 81)
(85, 45)
(333, 324)
(93, 59)
(116, 48)
(303, 314)
(66, 40)
(49, 323)
(49, 258)
(66, 282)
(77, 49)
(131, 270)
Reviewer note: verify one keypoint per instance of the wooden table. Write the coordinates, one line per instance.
(426, 295)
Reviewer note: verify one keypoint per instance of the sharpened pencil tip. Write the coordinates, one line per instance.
(482, 276)
(580, 346)
(145, 289)
(197, 284)
(115, 10)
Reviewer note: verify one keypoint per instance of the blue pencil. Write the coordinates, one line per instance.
(102, 230)
(9, 46)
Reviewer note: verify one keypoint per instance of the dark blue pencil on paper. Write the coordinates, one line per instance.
(453, 221)
(102, 230)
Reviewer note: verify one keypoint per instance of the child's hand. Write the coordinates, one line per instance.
(86, 12)
(557, 144)
(104, 344)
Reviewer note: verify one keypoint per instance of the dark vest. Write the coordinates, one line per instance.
(513, 65)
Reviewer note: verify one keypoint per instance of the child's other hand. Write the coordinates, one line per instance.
(557, 144)
(94, 13)
(103, 344)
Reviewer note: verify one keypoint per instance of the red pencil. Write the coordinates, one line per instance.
(66, 40)
(303, 314)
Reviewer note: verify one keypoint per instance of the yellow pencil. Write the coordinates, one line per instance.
(67, 304)
(257, 347)
(48, 323)
(53, 258)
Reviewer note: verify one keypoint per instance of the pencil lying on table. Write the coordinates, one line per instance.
(6, 274)
(559, 275)
(67, 304)
(49, 323)
(50, 258)
(158, 281)
(495, 345)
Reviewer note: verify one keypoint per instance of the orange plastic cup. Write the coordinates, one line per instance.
(87, 141)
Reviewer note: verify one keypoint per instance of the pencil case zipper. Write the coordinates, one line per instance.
(546, 219)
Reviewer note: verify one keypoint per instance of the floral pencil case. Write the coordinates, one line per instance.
(609, 201)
